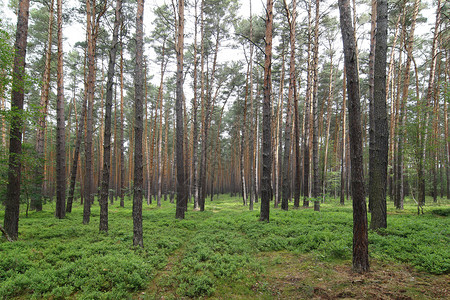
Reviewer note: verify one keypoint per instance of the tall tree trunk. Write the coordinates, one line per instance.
(381, 132)
(405, 93)
(242, 163)
(160, 129)
(207, 108)
(244, 138)
(266, 189)
(292, 97)
(360, 232)
(36, 198)
(431, 80)
(373, 20)
(316, 186)
(344, 139)
(76, 154)
(101, 135)
(121, 138)
(205, 111)
(447, 143)
(90, 88)
(297, 182)
(252, 188)
(60, 212)
(12, 202)
(330, 97)
(195, 119)
(306, 139)
(278, 134)
(138, 128)
(103, 226)
(181, 182)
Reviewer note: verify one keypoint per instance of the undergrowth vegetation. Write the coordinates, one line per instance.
(203, 255)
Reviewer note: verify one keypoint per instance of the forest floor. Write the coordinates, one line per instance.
(226, 253)
(293, 276)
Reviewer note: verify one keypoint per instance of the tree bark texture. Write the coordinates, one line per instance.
(307, 118)
(90, 86)
(36, 198)
(60, 212)
(315, 105)
(181, 181)
(103, 226)
(292, 98)
(381, 132)
(12, 201)
(373, 24)
(360, 232)
(138, 128)
(266, 188)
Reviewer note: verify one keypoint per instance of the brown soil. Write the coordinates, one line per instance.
(290, 276)
(301, 276)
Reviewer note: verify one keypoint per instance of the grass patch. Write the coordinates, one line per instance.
(222, 251)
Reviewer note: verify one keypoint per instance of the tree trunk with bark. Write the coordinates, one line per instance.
(181, 182)
(252, 187)
(315, 102)
(360, 232)
(373, 23)
(195, 117)
(307, 118)
(12, 202)
(60, 212)
(447, 143)
(92, 26)
(121, 158)
(138, 128)
(36, 198)
(292, 98)
(378, 183)
(103, 226)
(266, 188)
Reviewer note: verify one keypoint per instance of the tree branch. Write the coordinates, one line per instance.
(6, 234)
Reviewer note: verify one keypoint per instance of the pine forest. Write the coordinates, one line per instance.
(234, 149)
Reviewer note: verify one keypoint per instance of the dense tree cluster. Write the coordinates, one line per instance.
(200, 100)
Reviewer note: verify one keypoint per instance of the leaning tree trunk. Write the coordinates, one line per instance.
(107, 139)
(360, 233)
(266, 189)
(12, 201)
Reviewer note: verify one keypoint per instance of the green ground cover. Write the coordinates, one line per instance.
(222, 251)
